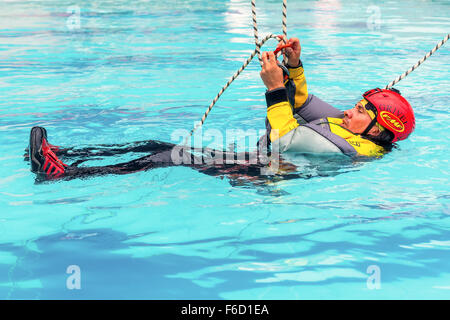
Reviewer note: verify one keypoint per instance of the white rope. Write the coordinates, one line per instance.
(255, 31)
(257, 51)
(414, 67)
(284, 24)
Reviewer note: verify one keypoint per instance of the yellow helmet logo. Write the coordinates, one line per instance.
(392, 121)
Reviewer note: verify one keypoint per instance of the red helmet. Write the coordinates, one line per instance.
(394, 113)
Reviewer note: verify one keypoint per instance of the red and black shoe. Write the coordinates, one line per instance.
(43, 159)
(55, 149)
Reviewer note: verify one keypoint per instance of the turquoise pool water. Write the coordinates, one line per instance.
(130, 71)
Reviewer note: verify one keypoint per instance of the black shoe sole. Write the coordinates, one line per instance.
(26, 155)
(35, 148)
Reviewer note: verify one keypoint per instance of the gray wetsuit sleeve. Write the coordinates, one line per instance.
(314, 108)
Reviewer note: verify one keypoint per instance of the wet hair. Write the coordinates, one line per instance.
(384, 139)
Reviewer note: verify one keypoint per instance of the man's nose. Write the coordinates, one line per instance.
(349, 114)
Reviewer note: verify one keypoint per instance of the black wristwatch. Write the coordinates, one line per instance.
(300, 64)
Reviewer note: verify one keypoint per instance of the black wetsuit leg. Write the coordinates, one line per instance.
(158, 160)
(223, 163)
(105, 150)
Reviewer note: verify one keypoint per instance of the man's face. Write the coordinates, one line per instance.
(357, 119)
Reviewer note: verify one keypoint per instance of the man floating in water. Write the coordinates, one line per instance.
(304, 123)
(296, 122)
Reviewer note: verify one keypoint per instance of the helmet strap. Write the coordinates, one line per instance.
(370, 126)
(374, 120)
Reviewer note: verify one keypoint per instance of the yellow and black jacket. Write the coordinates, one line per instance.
(301, 122)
